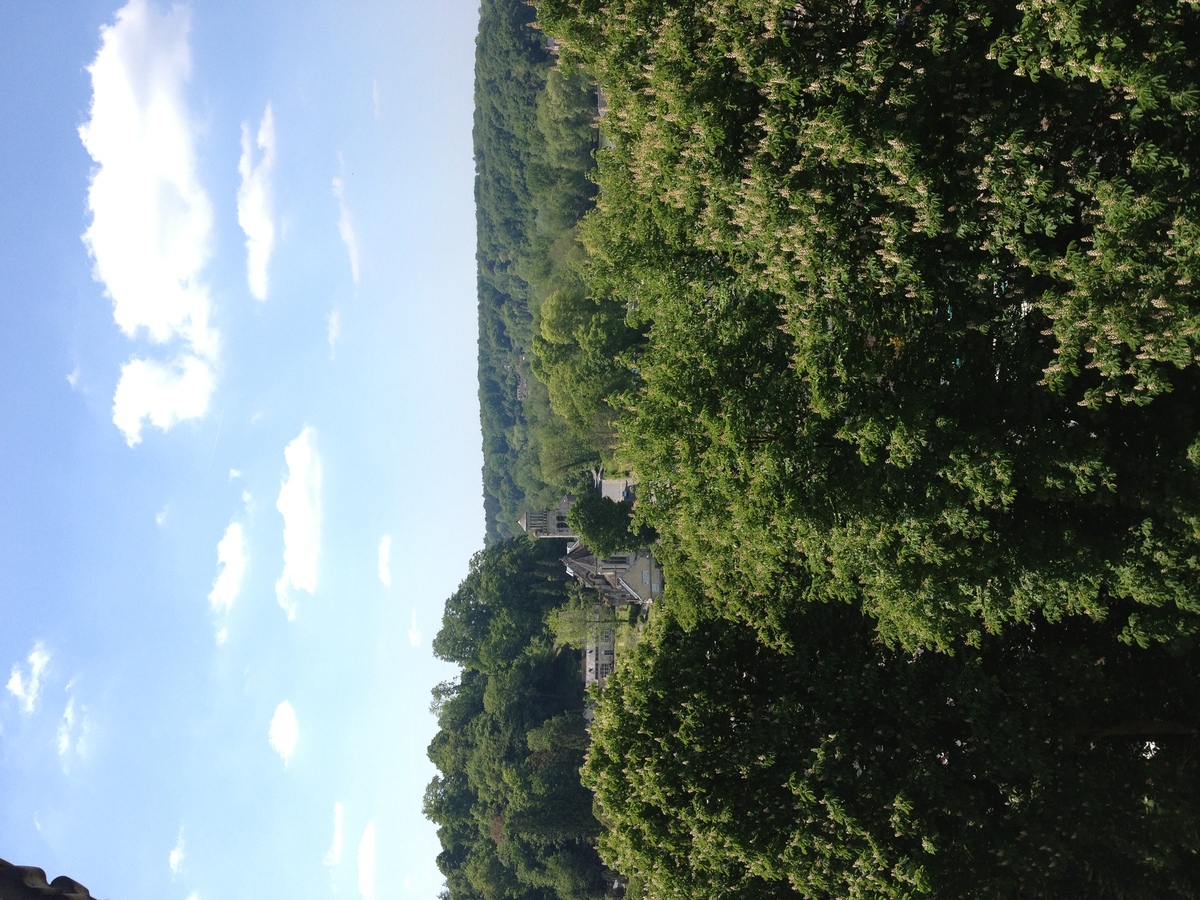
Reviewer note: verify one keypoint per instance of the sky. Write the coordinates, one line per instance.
(239, 438)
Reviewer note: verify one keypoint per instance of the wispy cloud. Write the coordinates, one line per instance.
(333, 330)
(151, 230)
(346, 227)
(71, 738)
(62, 739)
(385, 560)
(284, 731)
(231, 560)
(73, 378)
(334, 856)
(27, 686)
(300, 505)
(254, 202)
(175, 859)
(414, 633)
(366, 862)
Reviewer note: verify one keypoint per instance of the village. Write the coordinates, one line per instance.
(619, 581)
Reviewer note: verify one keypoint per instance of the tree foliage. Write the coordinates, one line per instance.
(514, 820)
(918, 285)
(534, 136)
(606, 526)
(1051, 761)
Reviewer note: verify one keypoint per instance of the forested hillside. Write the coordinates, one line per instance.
(534, 137)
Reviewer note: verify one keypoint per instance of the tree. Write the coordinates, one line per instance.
(513, 818)
(1049, 762)
(917, 281)
(581, 620)
(606, 526)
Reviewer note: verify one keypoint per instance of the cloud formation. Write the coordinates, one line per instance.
(163, 393)
(27, 686)
(334, 856)
(300, 505)
(414, 633)
(175, 859)
(62, 739)
(284, 731)
(333, 331)
(254, 202)
(151, 230)
(71, 738)
(385, 560)
(366, 862)
(346, 227)
(231, 561)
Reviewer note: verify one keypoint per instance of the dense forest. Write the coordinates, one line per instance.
(543, 401)
(514, 820)
(890, 307)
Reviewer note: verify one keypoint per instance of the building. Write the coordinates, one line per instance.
(621, 579)
(549, 523)
(599, 657)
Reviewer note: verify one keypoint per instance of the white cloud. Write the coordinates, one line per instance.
(164, 393)
(346, 227)
(71, 738)
(254, 202)
(284, 731)
(231, 558)
(300, 505)
(27, 688)
(151, 230)
(63, 738)
(73, 378)
(333, 331)
(385, 560)
(366, 862)
(235, 473)
(334, 856)
(175, 859)
(160, 517)
(414, 633)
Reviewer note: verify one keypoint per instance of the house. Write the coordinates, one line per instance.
(599, 657)
(620, 579)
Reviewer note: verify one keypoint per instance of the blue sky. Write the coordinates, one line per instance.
(239, 436)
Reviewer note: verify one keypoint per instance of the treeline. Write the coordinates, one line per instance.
(544, 421)
(513, 818)
(913, 400)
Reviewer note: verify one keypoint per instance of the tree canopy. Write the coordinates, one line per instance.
(1051, 761)
(513, 818)
(917, 284)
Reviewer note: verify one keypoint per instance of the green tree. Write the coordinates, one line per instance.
(606, 526)
(1049, 762)
(581, 620)
(917, 286)
(513, 818)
